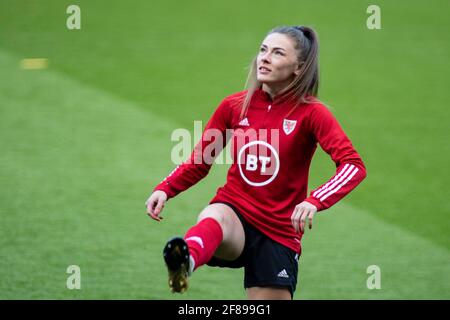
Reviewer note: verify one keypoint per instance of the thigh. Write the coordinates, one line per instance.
(233, 232)
(268, 293)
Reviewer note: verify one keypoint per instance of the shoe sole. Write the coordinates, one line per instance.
(176, 257)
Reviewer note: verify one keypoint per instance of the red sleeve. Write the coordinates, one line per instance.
(197, 166)
(350, 169)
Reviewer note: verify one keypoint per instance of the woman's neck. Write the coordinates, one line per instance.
(273, 89)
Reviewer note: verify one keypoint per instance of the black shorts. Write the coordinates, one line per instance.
(266, 263)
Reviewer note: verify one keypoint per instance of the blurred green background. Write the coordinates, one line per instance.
(84, 141)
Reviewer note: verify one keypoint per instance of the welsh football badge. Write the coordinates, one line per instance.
(289, 126)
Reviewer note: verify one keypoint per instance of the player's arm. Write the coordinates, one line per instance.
(197, 166)
(350, 169)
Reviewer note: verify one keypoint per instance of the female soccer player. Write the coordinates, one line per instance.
(257, 219)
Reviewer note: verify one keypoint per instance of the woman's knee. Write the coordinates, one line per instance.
(222, 213)
(214, 214)
(233, 232)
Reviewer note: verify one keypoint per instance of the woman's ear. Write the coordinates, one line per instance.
(298, 69)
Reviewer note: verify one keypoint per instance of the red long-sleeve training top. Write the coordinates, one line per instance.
(271, 149)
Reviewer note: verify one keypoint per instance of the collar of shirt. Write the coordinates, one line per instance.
(264, 97)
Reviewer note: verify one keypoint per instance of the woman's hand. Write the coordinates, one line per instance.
(303, 211)
(155, 204)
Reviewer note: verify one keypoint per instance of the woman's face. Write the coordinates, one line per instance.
(277, 60)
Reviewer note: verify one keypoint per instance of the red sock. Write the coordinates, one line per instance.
(203, 240)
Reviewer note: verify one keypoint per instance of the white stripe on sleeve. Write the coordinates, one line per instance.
(337, 179)
(340, 185)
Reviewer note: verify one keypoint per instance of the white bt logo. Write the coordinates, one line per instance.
(252, 162)
(258, 164)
